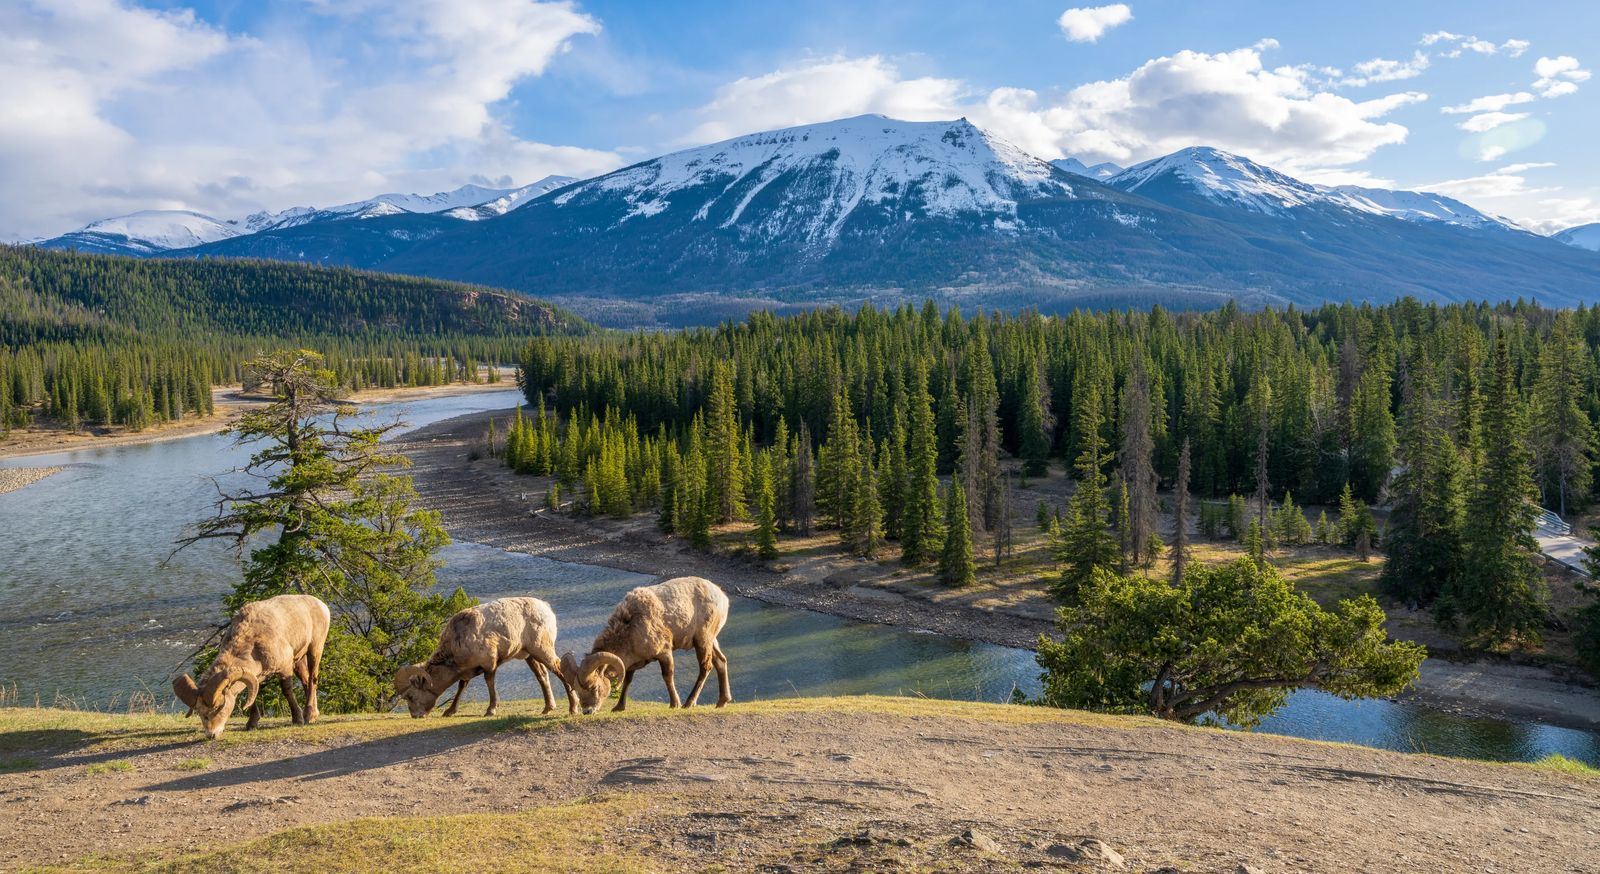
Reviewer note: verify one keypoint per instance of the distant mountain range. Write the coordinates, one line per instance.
(874, 208)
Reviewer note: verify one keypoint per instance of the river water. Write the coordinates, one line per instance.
(92, 609)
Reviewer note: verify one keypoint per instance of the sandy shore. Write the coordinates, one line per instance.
(483, 503)
(229, 402)
(14, 478)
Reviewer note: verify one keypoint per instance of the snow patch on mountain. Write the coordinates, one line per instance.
(1225, 178)
(941, 168)
(511, 200)
(1419, 206)
(1582, 236)
(157, 230)
(1099, 172)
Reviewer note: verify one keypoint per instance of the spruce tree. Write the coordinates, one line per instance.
(1423, 537)
(724, 471)
(1500, 594)
(1035, 421)
(1138, 462)
(766, 512)
(1563, 437)
(922, 525)
(1084, 544)
(804, 485)
(1180, 515)
(866, 515)
(956, 566)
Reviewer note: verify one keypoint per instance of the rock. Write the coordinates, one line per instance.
(1090, 850)
(977, 840)
(1247, 868)
(871, 835)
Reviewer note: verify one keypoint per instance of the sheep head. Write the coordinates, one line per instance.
(416, 684)
(213, 700)
(591, 678)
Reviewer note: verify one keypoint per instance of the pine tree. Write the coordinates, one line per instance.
(1035, 420)
(1500, 595)
(803, 487)
(1423, 538)
(1562, 435)
(724, 471)
(866, 514)
(921, 528)
(1372, 435)
(1180, 515)
(766, 512)
(1138, 464)
(1124, 528)
(1085, 545)
(956, 566)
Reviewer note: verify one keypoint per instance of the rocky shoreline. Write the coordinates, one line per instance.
(13, 478)
(485, 504)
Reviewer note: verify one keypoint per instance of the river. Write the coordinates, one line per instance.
(92, 609)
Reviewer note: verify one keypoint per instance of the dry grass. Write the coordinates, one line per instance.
(111, 767)
(569, 837)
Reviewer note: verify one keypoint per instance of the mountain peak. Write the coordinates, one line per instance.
(1222, 176)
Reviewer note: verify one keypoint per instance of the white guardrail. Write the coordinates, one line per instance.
(1552, 523)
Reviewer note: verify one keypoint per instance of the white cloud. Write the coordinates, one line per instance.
(1229, 100)
(1490, 103)
(1454, 44)
(1508, 181)
(1558, 76)
(1386, 70)
(111, 107)
(823, 90)
(1560, 213)
(1089, 23)
(1489, 121)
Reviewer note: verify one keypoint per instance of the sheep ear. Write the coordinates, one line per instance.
(418, 681)
(187, 692)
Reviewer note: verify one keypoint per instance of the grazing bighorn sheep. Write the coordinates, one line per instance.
(276, 637)
(649, 624)
(478, 640)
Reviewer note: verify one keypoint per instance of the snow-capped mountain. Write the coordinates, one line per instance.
(510, 200)
(1102, 171)
(466, 196)
(1582, 236)
(812, 180)
(145, 233)
(1230, 180)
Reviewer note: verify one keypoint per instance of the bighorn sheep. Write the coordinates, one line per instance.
(649, 624)
(276, 637)
(478, 640)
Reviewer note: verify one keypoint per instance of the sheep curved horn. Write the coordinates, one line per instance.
(606, 660)
(253, 684)
(568, 668)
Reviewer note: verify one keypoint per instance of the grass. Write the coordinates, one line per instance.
(110, 767)
(1563, 765)
(582, 836)
(193, 764)
(24, 763)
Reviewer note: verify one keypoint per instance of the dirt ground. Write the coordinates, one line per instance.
(483, 502)
(822, 784)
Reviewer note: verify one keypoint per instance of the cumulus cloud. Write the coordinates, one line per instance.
(1490, 103)
(111, 107)
(823, 90)
(1558, 76)
(1560, 213)
(1489, 121)
(1228, 99)
(1089, 23)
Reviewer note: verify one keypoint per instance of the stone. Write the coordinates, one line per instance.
(977, 840)
(1247, 868)
(1088, 850)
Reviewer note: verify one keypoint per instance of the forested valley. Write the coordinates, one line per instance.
(1433, 433)
(88, 340)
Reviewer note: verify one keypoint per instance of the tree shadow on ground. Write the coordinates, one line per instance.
(357, 757)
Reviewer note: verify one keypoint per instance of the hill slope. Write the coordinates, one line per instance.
(47, 295)
(859, 784)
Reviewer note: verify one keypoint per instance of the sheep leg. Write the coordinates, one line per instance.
(255, 717)
(494, 697)
(295, 715)
(666, 677)
(725, 692)
(313, 668)
(544, 684)
(622, 695)
(460, 687)
(703, 656)
(302, 669)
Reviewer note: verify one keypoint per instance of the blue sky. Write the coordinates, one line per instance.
(230, 107)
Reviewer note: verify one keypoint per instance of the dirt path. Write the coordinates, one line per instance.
(484, 503)
(820, 783)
